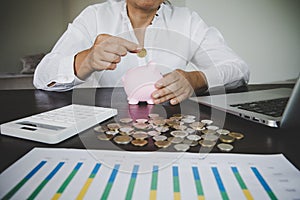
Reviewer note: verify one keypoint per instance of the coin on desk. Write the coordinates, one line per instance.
(207, 122)
(181, 147)
(225, 147)
(104, 137)
(208, 131)
(212, 127)
(175, 140)
(223, 132)
(207, 143)
(113, 126)
(99, 129)
(142, 53)
(126, 120)
(226, 139)
(210, 137)
(236, 135)
(193, 137)
(162, 144)
(160, 138)
(199, 126)
(140, 135)
(123, 139)
(181, 134)
(139, 143)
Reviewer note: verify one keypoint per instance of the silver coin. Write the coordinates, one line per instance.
(126, 120)
(141, 126)
(111, 132)
(225, 147)
(189, 117)
(188, 120)
(181, 134)
(190, 142)
(160, 138)
(210, 137)
(175, 140)
(207, 121)
(190, 131)
(126, 129)
(211, 127)
(223, 132)
(181, 147)
(99, 129)
(180, 127)
(162, 129)
(153, 133)
(193, 137)
(142, 121)
(113, 126)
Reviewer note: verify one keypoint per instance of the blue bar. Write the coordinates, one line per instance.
(218, 179)
(235, 170)
(261, 179)
(196, 173)
(175, 171)
(77, 167)
(113, 174)
(39, 166)
(155, 168)
(135, 171)
(96, 168)
(54, 171)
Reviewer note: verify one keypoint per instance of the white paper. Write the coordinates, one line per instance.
(263, 176)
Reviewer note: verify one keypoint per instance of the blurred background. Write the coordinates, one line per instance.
(265, 33)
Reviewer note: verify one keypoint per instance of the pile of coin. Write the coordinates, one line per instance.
(180, 131)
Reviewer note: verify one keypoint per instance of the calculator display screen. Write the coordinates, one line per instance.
(39, 125)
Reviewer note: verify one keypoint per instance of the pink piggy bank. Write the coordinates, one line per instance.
(139, 83)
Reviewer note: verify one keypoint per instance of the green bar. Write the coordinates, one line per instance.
(154, 181)
(272, 195)
(240, 180)
(130, 189)
(224, 196)
(176, 184)
(66, 182)
(106, 191)
(199, 188)
(38, 189)
(15, 189)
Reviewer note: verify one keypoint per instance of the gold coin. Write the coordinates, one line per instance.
(162, 144)
(122, 139)
(113, 126)
(226, 139)
(142, 53)
(207, 143)
(140, 135)
(208, 131)
(139, 143)
(104, 137)
(236, 135)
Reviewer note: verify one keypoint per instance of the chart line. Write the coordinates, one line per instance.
(110, 182)
(198, 184)
(154, 179)
(132, 182)
(242, 183)
(15, 189)
(220, 183)
(45, 181)
(88, 182)
(67, 181)
(176, 185)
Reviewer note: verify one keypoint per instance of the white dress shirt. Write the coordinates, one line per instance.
(176, 39)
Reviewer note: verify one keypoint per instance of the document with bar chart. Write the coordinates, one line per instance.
(46, 173)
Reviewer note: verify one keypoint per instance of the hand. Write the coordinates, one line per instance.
(178, 85)
(105, 54)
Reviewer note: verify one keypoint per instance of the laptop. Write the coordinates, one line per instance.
(273, 107)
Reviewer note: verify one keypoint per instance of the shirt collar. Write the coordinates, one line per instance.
(157, 17)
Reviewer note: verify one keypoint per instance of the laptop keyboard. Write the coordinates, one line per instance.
(273, 107)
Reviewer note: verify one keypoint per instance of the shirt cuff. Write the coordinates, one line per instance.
(66, 78)
(213, 77)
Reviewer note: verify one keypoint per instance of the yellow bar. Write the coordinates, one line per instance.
(153, 195)
(248, 195)
(201, 198)
(84, 189)
(176, 195)
(56, 196)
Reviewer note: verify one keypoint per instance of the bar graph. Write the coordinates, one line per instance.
(49, 175)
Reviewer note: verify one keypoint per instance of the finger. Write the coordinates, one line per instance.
(116, 49)
(167, 80)
(110, 57)
(169, 94)
(104, 65)
(178, 99)
(130, 46)
(164, 98)
(174, 87)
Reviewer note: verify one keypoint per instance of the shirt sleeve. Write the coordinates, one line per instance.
(56, 71)
(220, 64)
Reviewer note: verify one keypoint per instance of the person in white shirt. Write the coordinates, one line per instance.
(102, 42)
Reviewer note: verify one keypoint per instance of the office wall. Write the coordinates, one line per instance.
(264, 32)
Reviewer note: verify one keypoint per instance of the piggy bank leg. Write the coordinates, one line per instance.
(150, 101)
(133, 101)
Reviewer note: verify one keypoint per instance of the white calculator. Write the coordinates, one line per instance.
(57, 125)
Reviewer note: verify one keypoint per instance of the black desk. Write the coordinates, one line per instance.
(16, 104)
